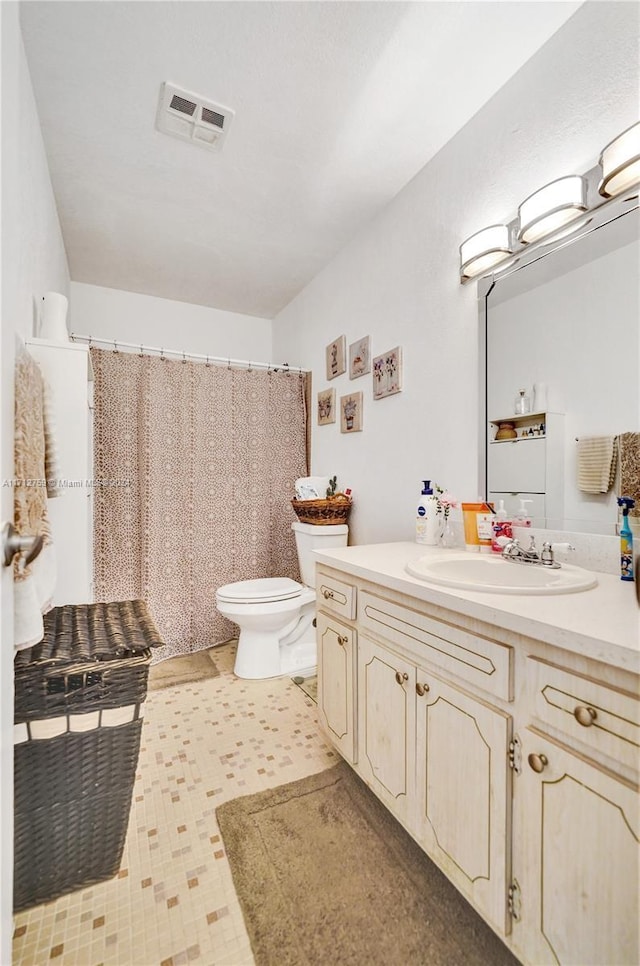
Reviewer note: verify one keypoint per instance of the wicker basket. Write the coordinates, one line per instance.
(84, 685)
(323, 513)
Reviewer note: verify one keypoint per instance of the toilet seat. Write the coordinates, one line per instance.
(262, 591)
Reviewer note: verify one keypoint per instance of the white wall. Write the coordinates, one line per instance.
(398, 280)
(110, 313)
(33, 261)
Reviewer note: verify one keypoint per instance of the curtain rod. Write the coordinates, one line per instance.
(162, 352)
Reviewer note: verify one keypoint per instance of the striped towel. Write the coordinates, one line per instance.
(597, 463)
(630, 469)
(51, 469)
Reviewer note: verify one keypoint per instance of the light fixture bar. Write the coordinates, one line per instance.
(620, 161)
(484, 249)
(551, 207)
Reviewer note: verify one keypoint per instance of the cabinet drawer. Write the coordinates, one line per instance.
(473, 658)
(598, 716)
(336, 596)
(518, 465)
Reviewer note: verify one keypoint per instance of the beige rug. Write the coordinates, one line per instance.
(182, 670)
(325, 875)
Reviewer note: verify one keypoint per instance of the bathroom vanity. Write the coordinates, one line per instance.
(503, 732)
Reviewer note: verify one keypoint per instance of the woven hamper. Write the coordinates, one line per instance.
(78, 698)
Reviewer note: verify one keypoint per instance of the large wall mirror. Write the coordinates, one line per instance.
(568, 321)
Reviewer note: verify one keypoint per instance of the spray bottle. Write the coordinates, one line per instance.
(626, 539)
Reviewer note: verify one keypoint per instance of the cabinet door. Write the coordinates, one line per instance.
(579, 873)
(518, 465)
(386, 725)
(463, 812)
(336, 665)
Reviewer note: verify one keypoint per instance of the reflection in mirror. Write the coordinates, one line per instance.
(566, 330)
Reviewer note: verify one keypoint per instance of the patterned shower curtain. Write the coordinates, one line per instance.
(194, 468)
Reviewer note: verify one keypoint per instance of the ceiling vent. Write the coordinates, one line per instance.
(192, 118)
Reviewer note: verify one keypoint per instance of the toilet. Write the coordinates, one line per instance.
(275, 614)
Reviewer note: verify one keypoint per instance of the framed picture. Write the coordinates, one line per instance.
(387, 373)
(326, 407)
(359, 358)
(351, 413)
(336, 357)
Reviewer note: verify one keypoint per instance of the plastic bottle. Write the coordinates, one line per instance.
(521, 517)
(427, 520)
(502, 532)
(626, 539)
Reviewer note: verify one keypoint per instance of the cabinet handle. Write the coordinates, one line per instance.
(342, 640)
(538, 762)
(421, 689)
(401, 678)
(584, 715)
(327, 594)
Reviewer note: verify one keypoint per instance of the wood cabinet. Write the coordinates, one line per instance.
(512, 763)
(336, 692)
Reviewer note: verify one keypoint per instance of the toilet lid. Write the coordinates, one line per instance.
(260, 591)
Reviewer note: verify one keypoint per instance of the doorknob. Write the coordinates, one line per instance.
(13, 544)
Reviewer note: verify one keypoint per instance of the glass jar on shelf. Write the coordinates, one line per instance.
(522, 403)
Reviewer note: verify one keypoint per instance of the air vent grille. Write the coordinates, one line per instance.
(182, 104)
(212, 117)
(188, 116)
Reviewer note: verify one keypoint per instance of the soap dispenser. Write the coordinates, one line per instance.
(501, 527)
(521, 517)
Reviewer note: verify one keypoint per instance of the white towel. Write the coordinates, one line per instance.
(597, 463)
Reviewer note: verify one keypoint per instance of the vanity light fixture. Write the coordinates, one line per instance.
(620, 162)
(485, 249)
(551, 207)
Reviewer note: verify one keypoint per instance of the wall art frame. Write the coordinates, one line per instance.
(351, 413)
(387, 373)
(326, 412)
(336, 357)
(360, 357)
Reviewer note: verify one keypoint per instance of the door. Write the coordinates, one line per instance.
(386, 707)
(336, 663)
(580, 871)
(463, 796)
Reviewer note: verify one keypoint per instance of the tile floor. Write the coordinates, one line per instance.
(173, 901)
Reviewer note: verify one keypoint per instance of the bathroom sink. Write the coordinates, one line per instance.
(493, 575)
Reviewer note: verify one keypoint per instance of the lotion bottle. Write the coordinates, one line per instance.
(502, 532)
(427, 520)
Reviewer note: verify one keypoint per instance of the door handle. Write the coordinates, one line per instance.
(13, 544)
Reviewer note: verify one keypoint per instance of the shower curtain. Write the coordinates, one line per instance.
(194, 469)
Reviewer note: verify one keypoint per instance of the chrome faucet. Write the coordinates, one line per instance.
(517, 554)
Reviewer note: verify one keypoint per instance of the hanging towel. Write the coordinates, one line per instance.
(597, 463)
(51, 468)
(630, 469)
(34, 584)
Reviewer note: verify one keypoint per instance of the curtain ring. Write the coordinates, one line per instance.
(184, 358)
(115, 346)
(90, 340)
(249, 369)
(286, 368)
(141, 353)
(207, 363)
(229, 364)
(162, 355)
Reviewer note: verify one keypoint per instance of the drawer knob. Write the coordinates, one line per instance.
(538, 762)
(342, 640)
(327, 594)
(584, 715)
(421, 689)
(401, 678)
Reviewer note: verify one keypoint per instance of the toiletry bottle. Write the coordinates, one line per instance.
(427, 520)
(522, 403)
(521, 517)
(626, 539)
(502, 532)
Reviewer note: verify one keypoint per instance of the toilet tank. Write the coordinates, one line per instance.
(308, 538)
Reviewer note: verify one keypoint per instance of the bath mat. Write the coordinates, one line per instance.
(325, 874)
(184, 669)
(309, 685)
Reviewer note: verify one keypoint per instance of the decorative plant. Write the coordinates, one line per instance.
(446, 501)
(331, 489)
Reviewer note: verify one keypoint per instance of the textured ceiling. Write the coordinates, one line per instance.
(338, 105)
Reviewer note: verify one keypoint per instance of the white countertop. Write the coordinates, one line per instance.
(602, 623)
